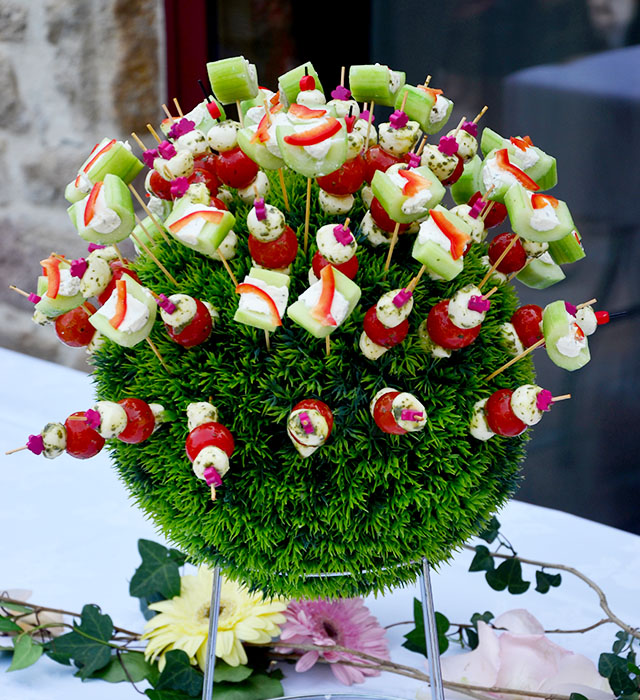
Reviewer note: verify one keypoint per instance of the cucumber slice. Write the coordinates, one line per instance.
(418, 105)
(432, 127)
(257, 151)
(298, 159)
(254, 318)
(491, 141)
(518, 203)
(300, 314)
(389, 194)
(117, 198)
(52, 308)
(233, 79)
(201, 235)
(436, 259)
(568, 249)
(375, 83)
(557, 325)
(540, 274)
(289, 82)
(469, 182)
(127, 338)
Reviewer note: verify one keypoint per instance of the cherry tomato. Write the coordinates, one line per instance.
(514, 260)
(206, 435)
(445, 333)
(383, 415)
(275, 254)
(117, 269)
(376, 158)
(209, 179)
(345, 180)
(383, 220)
(74, 329)
(319, 406)
(158, 186)
(349, 268)
(380, 334)
(196, 331)
(140, 421)
(235, 169)
(218, 203)
(527, 320)
(497, 214)
(501, 419)
(82, 440)
(455, 175)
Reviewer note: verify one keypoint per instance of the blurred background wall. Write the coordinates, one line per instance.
(567, 72)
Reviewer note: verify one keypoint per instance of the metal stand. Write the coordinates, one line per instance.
(430, 633)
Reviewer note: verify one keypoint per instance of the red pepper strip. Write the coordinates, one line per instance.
(277, 107)
(245, 288)
(51, 269)
(275, 99)
(213, 109)
(315, 135)
(415, 182)
(502, 159)
(213, 217)
(432, 91)
(458, 239)
(95, 158)
(322, 312)
(90, 209)
(121, 304)
(520, 143)
(527, 140)
(541, 200)
(262, 132)
(302, 112)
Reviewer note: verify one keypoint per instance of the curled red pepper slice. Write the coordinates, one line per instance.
(458, 238)
(121, 304)
(245, 288)
(103, 150)
(302, 112)
(541, 200)
(51, 269)
(314, 135)
(213, 217)
(90, 209)
(502, 159)
(322, 311)
(415, 182)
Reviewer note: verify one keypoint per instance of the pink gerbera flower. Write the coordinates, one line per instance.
(343, 622)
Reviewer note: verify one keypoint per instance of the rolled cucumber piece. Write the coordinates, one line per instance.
(557, 327)
(469, 182)
(300, 160)
(255, 318)
(128, 338)
(433, 127)
(117, 198)
(568, 249)
(233, 79)
(289, 82)
(418, 104)
(375, 83)
(199, 227)
(390, 195)
(521, 214)
(540, 274)
(257, 151)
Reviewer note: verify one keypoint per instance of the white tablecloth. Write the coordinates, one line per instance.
(69, 533)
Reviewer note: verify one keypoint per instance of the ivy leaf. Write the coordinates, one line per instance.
(508, 575)
(472, 637)
(231, 674)
(159, 572)
(88, 643)
(135, 664)
(415, 639)
(25, 653)
(622, 638)
(15, 607)
(472, 634)
(259, 686)
(621, 683)
(607, 663)
(179, 674)
(544, 581)
(7, 625)
(491, 530)
(482, 561)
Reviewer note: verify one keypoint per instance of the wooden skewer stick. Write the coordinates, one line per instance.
(490, 292)
(13, 288)
(283, 187)
(267, 340)
(414, 282)
(153, 133)
(227, 268)
(346, 222)
(486, 210)
(404, 100)
(148, 251)
(366, 140)
(327, 345)
(586, 303)
(307, 213)
(495, 265)
(118, 253)
(240, 117)
(515, 359)
(149, 213)
(480, 114)
(156, 352)
(427, 80)
(17, 449)
(177, 104)
(364, 106)
(138, 141)
(513, 275)
(460, 123)
(423, 143)
(394, 240)
(563, 397)
(165, 109)
(87, 310)
(342, 76)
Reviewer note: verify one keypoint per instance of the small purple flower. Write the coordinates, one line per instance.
(165, 304)
(149, 156)
(261, 208)
(544, 400)
(477, 208)
(398, 119)
(414, 161)
(95, 246)
(34, 298)
(479, 304)
(93, 418)
(341, 93)
(35, 444)
(212, 477)
(179, 186)
(448, 145)
(408, 414)
(167, 150)
(178, 129)
(401, 298)
(470, 128)
(78, 267)
(342, 234)
(571, 309)
(306, 423)
(365, 115)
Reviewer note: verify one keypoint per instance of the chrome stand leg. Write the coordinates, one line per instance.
(214, 614)
(431, 633)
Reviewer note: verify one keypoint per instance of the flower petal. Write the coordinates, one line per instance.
(519, 621)
(478, 667)
(306, 661)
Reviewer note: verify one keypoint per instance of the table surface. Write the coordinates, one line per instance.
(70, 535)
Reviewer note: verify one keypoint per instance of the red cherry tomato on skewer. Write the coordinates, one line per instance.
(527, 321)
(376, 158)
(383, 416)
(83, 441)
(380, 334)
(497, 214)
(383, 220)
(349, 268)
(319, 406)
(159, 186)
(140, 421)
(500, 417)
(235, 169)
(209, 434)
(445, 333)
(275, 254)
(74, 329)
(118, 269)
(514, 260)
(196, 331)
(345, 180)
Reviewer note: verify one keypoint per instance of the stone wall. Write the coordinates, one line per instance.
(71, 73)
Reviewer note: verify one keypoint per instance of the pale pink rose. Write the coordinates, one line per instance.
(522, 658)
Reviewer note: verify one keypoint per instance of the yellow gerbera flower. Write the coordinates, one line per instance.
(183, 621)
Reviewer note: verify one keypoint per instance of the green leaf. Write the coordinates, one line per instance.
(508, 575)
(491, 530)
(230, 674)
(577, 696)
(159, 573)
(621, 683)
(16, 607)
(544, 581)
(607, 663)
(482, 561)
(179, 674)
(7, 625)
(88, 643)
(472, 638)
(259, 686)
(25, 653)
(415, 639)
(136, 667)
